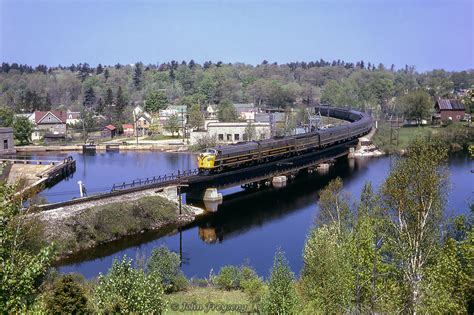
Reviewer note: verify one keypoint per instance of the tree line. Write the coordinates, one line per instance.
(112, 90)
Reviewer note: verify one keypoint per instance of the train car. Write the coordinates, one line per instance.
(221, 158)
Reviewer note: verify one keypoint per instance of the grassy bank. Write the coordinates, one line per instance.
(457, 135)
(80, 230)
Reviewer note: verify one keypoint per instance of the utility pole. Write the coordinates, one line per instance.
(182, 126)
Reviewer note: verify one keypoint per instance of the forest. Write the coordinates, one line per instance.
(112, 90)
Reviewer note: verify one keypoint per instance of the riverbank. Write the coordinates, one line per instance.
(104, 147)
(84, 226)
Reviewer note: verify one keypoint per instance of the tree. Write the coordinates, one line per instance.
(21, 267)
(22, 129)
(334, 206)
(6, 117)
(172, 124)
(302, 117)
(99, 69)
(89, 98)
(137, 76)
(109, 97)
(417, 105)
(120, 103)
(126, 289)
(100, 106)
(196, 118)
(67, 297)
(281, 298)
(166, 265)
(251, 131)
(226, 112)
(106, 74)
(156, 100)
(413, 196)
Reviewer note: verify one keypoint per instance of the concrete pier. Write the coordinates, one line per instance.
(171, 192)
(211, 194)
(279, 181)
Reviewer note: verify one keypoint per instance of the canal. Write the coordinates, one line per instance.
(249, 225)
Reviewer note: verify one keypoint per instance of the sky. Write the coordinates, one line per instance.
(429, 34)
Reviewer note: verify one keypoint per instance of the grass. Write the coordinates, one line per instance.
(455, 133)
(196, 299)
(160, 137)
(105, 223)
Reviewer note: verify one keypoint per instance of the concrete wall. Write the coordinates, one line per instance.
(231, 132)
(7, 145)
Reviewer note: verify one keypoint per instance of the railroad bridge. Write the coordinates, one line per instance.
(204, 187)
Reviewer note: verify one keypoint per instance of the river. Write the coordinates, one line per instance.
(248, 226)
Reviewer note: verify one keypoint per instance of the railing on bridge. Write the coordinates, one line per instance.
(142, 182)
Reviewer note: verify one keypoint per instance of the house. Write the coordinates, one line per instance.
(108, 131)
(142, 119)
(246, 111)
(128, 130)
(7, 145)
(73, 118)
(231, 132)
(449, 110)
(50, 123)
(211, 112)
(30, 116)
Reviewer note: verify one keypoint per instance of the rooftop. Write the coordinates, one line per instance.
(445, 104)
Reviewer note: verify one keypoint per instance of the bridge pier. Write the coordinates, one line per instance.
(279, 181)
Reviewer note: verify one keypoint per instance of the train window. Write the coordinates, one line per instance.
(236, 137)
(220, 137)
(229, 137)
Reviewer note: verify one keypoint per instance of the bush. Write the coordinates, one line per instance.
(254, 289)
(281, 297)
(126, 289)
(68, 297)
(229, 278)
(165, 264)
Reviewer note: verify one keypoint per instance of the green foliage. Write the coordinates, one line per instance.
(417, 105)
(281, 297)
(166, 265)
(6, 117)
(334, 206)
(196, 117)
(172, 124)
(255, 290)
(413, 196)
(22, 129)
(156, 100)
(126, 289)
(251, 132)
(68, 297)
(229, 278)
(226, 112)
(21, 268)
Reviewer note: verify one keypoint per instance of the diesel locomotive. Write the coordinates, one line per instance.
(244, 154)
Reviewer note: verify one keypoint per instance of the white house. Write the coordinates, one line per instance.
(73, 118)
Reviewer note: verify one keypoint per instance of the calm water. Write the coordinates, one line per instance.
(248, 227)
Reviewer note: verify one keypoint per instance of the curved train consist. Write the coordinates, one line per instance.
(244, 154)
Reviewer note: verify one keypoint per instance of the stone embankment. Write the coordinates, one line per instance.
(164, 147)
(83, 226)
(365, 147)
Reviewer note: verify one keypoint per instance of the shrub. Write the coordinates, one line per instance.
(281, 297)
(229, 278)
(165, 264)
(126, 289)
(68, 297)
(254, 289)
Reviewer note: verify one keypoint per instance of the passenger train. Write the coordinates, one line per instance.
(226, 157)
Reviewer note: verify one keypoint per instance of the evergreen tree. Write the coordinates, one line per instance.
(106, 74)
(120, 103)
(109, 97)
(99, 69)
(155, 101)
(137, 76)
(89, 98)
(68, 297)
(281, 298)
(100, 106)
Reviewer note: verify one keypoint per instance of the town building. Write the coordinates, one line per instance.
(49, 123)
(108, 131)
(446, 109)
(211, 112)
(231, 132)
(142, 119)
(128, 130)
(7, 145)
(73, 118)
(246, 111)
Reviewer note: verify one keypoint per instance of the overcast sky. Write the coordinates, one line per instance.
(426, 33)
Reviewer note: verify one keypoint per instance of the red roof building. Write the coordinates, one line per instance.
(128, 130)
(51, 122)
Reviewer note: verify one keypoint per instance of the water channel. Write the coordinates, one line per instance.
(248, 226)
